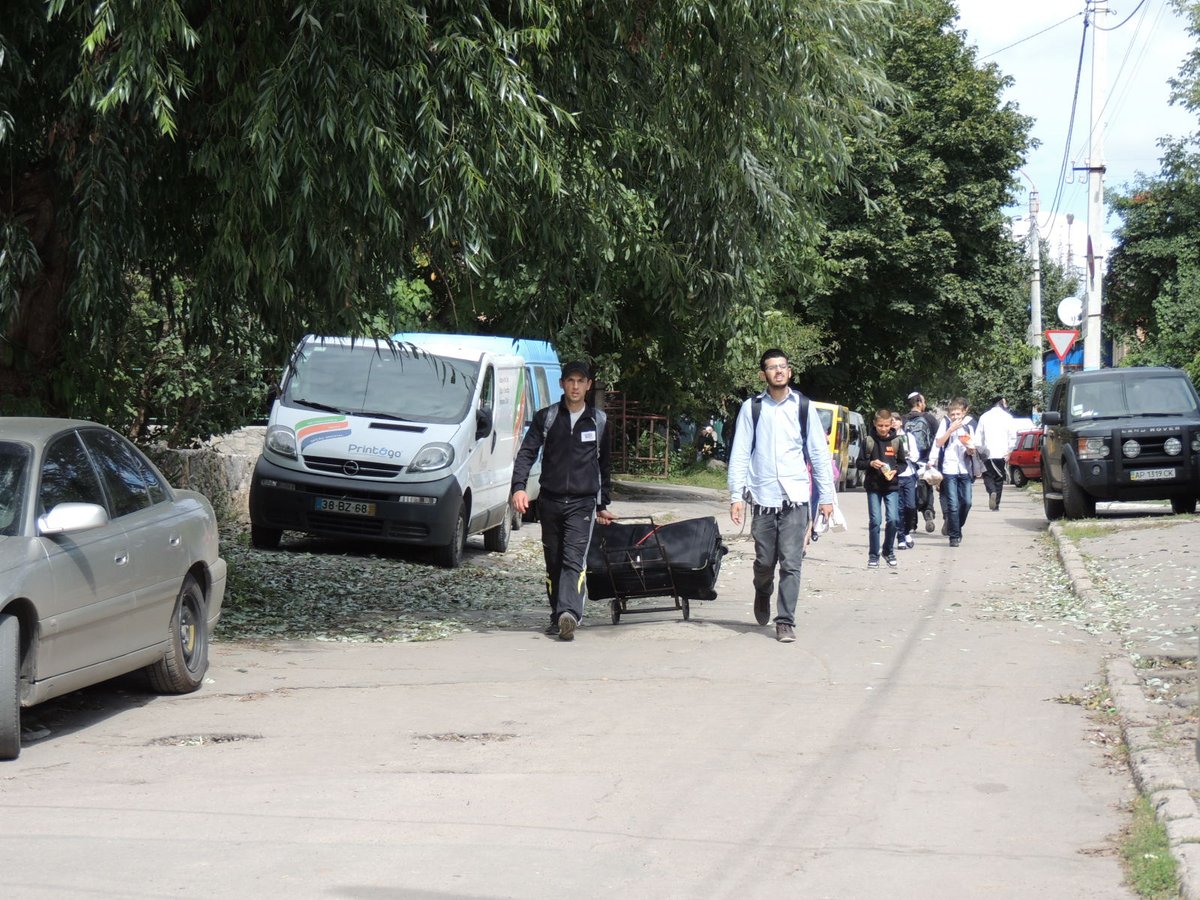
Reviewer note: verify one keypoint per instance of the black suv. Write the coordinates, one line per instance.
(1121, 434)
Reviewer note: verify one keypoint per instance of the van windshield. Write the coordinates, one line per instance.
(398, 381)
(826, 418)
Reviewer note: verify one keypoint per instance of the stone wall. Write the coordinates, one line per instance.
(221, 470)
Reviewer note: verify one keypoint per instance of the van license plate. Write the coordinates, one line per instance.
(1151, 474)
(346, 507)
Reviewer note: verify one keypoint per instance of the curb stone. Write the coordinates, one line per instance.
(1153, 771)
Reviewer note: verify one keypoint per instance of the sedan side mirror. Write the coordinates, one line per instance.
(68, 517)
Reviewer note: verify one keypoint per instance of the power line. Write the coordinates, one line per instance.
(1062, 170)
(1032, 36)
(1127, 18)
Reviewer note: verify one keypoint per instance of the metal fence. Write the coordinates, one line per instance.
(640, 439)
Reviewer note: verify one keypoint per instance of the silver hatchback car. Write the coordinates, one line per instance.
(104, 568)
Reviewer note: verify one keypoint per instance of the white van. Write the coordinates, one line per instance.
(381, 440)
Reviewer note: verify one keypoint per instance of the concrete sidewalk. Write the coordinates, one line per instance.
(913, 743)
(1147, 570)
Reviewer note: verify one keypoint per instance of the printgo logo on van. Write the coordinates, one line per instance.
(374, 451)
(322, 428)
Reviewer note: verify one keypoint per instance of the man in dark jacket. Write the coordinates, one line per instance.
(923, 425)
(576, 485)
(884, 457)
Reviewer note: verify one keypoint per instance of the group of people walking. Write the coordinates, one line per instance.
(910, 460)
(780, 475)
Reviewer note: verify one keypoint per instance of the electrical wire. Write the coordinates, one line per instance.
(1127, 18)
(1032, 36)
(1066, 158)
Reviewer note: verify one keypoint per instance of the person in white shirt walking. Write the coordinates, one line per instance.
(955, 440)
(997, 436)
(778, 437)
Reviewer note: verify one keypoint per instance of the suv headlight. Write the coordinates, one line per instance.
(1172, 446)
(282, 440)
(1131, 448)
(1196, 443)
(1091, 448)
(432, 457)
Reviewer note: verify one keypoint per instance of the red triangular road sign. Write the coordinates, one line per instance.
(1062, 341)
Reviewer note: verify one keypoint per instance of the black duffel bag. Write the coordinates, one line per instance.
(641, 559)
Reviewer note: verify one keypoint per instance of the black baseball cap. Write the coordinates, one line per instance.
(577, 367)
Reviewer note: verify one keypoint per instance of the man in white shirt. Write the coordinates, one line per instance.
(769, 464)
(997, 437)
(955, 443)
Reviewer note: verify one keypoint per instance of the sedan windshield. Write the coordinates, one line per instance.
(1119, 397)
(398, 382)
(14, 474)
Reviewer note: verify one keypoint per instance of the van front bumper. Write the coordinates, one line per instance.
(422, 513)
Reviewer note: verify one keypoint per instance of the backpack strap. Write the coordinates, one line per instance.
(756, 412)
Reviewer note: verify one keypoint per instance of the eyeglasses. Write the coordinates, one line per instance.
(782, 367)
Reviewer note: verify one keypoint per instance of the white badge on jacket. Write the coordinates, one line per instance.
(587, 436)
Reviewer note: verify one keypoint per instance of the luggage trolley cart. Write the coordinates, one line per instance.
(638, 558)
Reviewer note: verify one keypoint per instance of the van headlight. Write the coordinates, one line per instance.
(282, 440)
(432, 457)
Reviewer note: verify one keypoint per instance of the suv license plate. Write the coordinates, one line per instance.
(346, 507)
(1151, 474)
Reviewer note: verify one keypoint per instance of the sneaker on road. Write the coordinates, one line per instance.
(993, 501)
(551, 629)
(891, 560)
(566, 627)
(784, 633)
(762, 608)
(872, 562)
(929, 520)
(954, 542)
(909, 543)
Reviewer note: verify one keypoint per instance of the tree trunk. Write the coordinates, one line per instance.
(32, 333)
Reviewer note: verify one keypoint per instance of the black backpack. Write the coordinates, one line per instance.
(918, 427)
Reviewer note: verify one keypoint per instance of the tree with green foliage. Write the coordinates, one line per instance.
(707, 137)
(923, 282)
(279, 162)
(586, 170)
(1152, 286)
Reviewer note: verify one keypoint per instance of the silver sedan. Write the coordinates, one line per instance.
(104, 568)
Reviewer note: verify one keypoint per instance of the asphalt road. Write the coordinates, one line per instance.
(919, 740)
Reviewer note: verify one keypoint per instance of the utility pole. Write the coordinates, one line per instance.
(1095, 169)
(1035, 290)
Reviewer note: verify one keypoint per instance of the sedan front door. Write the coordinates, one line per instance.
(84, 621)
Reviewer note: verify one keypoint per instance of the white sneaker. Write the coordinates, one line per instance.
(909, 542)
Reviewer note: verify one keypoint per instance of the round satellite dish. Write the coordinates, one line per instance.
(1070, 311)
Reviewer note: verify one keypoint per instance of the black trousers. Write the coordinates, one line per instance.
(566, 533)
(924, 496)
(993, 476)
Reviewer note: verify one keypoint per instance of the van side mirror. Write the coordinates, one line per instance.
(1052, 417)
(483, 423)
